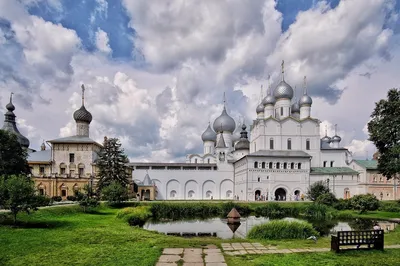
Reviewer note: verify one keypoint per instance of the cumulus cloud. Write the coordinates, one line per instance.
(102, 41)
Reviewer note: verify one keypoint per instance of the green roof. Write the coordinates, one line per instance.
(333, 171)
(368, 164)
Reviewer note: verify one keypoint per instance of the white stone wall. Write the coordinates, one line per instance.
(339, 183)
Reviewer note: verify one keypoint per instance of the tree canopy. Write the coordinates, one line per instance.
(317, 189)
(112, 164)
(384, 131)
(12, 155)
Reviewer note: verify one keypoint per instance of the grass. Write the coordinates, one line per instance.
(350, 258)
(282, 229)
(65, 236)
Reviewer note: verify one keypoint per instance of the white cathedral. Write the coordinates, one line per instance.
(282, 158)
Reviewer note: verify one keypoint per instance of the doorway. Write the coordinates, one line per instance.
(257, 195)
(280, 194)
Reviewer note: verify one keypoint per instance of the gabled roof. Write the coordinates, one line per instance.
(74, 139)
(39, 156)
(277, 153)
(332, 171)
(368, 164)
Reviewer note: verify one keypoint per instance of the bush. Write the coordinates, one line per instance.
(136, 216)
(315, 211)
(389, 206)
(342, 204)
(88, 203)
(317, 189)
(363, 203)
(56, 198)
(42, 200)
(114, 193)
(282, 229)
(71, 198)
(328, 199)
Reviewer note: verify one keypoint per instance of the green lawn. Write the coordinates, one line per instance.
(65, 236)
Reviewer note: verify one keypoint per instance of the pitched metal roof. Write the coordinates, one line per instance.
(332, 171)
(368, 164)
(277, 153)
(39, 156)
(74, 139)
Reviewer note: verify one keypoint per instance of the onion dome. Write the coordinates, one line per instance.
(296, 107)
(305, 100)
(283, 91)
(83, 115)
(243, 143)
(269, 99)
(209, 134)
(260, 108)
(11, 126)
(326, 139)
(224, 122)
(336, 138)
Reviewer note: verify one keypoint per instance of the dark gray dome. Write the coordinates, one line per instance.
(326, 139)
(336, 138)
(83, 115)
(11, 126)
(296, 107)
(305, 100)
(224, 122)
(209, 134)
(260, 108)
(10, 107)
(283, 91)
(243, 144)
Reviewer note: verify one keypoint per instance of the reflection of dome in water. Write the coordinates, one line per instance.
(234, 226)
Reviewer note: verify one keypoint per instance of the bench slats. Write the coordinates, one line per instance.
(373, 238)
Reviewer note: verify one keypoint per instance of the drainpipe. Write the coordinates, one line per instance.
(247, 177)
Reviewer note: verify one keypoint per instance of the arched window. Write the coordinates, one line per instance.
(271, 143)
(289, 144)
(278, 165)
(307, 144)
(229, 194)
(291, 165)
(284, 165)
(255, 164)
(208, 194)
(270, 165)
(191, 194)
(263, 165)
(281, 111)
(299, 166)
(172, 194)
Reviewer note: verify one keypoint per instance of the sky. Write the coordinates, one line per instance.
(155, 71)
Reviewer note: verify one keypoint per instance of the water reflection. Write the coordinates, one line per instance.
(220, 228)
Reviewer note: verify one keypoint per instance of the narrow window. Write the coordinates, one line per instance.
(258, 179)
(195, 160)
(292, 166)
(63, 193)
(324, 163)
(284, 165)
(208, 160)
(263, 165)
(281, 111)
(308, 144)
(299, 166)
(41, 191)
(270, 165)
(81, 172)
(271, 143)
(331, 163)
(62, 171)
(71, 157)
(278, 165)
(289, 144)
(41, 170)
(255, 164)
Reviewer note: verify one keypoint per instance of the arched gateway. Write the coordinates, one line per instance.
(280, 194)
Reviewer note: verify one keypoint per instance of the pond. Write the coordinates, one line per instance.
(218, 227)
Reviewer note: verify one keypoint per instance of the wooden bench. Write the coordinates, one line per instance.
(373, 239)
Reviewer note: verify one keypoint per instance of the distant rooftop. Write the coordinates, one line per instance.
(74, 139)
(333, 171)
(368, 164)
(39, 156)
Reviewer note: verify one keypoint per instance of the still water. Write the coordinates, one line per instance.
(218, 227)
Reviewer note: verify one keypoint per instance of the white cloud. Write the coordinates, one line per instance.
(102, 41)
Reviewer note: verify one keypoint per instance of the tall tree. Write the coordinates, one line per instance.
(12, 155)
(384, 132)
(112, 164)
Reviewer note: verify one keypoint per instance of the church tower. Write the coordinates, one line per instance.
(82, 118)
(11, 126)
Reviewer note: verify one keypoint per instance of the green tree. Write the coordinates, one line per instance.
(86, 199)
(364, 203)
(384, 132)
(17, 194)
(112, 164)
(12, 155)
(317, 189)
(115, 193)
(328, 199)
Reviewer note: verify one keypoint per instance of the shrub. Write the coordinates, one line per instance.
(88, 203)
(315, 211)
(342, 204)
(114, 193)
(328, 199)
(136, 216)
(71, 198)
(56, 198)
(275, 210)
(363, 203)
(317, 189)
(42, 200)
(389, 206)
(282, 229)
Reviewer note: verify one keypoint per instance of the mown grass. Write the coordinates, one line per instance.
(350, 258)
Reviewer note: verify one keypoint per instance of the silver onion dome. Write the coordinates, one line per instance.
(305, 100)
(260, 108)
(224, 122)
(336, 138)
(296, 107)
(269, 100)
(283, 91)
(209, 134)
(83, 115)
(326, 139)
